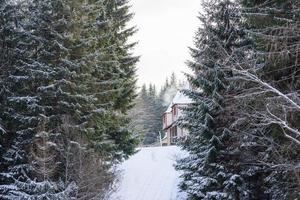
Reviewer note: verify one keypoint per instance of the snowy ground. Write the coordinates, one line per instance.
(150, 175)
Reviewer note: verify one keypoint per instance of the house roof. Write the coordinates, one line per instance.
(169, 108)
(179, 98)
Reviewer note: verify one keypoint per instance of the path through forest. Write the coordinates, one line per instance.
(150, 175)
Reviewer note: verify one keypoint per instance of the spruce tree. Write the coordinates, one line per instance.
(36, 79)
(112, 70)
(211, 171)
(272, 27)
(11, 23)
(152, 117)
(68, 78)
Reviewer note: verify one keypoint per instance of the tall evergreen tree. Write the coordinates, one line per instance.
(272, 68)
(115, 77)
(211, 171)
(242, 122)
(35, 79)
(66, 68)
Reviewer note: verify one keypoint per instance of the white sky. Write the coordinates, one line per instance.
(166, 30)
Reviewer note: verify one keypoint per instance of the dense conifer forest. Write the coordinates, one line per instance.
(71, 110)
(67, 80)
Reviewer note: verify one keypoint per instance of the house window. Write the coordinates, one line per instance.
(175, 131)
(174, 135)
(174, 111)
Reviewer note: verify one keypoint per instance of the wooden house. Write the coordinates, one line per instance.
(170, 118)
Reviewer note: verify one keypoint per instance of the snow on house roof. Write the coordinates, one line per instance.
(179, 98)
(169, 108)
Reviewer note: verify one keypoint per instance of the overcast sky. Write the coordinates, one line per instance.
(166, 30)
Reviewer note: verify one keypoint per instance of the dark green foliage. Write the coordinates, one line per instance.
(207, 174)
(67, 81)
(278, 66)
(31, 88)
(244, 132)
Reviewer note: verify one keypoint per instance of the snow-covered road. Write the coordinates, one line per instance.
(150, 175)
